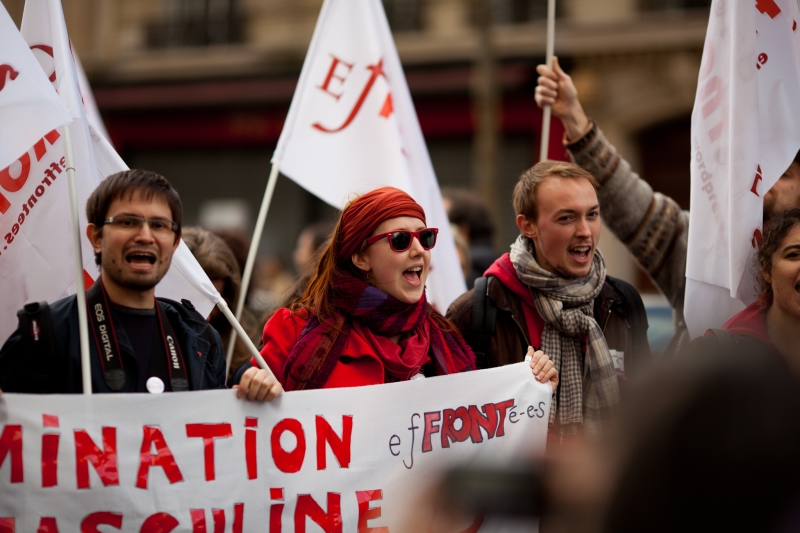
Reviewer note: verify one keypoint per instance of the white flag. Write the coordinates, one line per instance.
(36, 263)
(352, 128)
(745, 134)
(89, 103)
(38, 256)
(29, 108)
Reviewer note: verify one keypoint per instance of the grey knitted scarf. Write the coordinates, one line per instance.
(587, 386)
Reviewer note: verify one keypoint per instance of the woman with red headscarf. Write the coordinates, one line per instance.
(363, 318)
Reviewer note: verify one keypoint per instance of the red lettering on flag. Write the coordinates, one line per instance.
(501, 416)
(50, 459)
(288, 462)
(330, 522)
(8, 70)
(250, 449)
(332, 75)
(7, 525)
(757, 237)
(377, 70)
(199, 520)
(159, 523)
(339, 446)
(388, 106)
(754, 189)
(101, 518)
(47, 524)
(275, 510)
(430, 428)
(449, 431)
(163, 458)
(209, 432)
(769, 7)
(11, 443)
(365, 513)
(104, 461)
(487, 421)
(49, 51)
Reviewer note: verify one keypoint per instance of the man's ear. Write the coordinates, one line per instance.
(526, 227)
(177, 243)
(95, 235)
(360, 261)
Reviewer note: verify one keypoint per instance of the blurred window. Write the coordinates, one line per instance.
(187, 23)
(518, 11)
(672, 5)
(404, 15)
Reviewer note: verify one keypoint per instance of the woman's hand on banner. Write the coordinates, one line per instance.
(258, 384)
(542, 367)
(555, 88)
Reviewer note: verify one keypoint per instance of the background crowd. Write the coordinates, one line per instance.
(708, 439)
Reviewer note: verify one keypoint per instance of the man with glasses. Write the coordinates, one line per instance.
(138, 343)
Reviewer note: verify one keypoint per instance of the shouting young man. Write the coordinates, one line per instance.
(137, 342)
(552, 292)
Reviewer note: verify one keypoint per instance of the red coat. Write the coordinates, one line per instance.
(358, 365)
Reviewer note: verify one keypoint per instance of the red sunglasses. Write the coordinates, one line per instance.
(400, 240)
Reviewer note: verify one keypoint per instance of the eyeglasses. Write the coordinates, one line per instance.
(400, 240)
(159, 226)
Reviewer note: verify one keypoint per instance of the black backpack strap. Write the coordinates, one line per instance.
(724, 338)
(484, 316)
(36, 329)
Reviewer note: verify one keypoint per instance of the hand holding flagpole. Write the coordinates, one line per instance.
(551, 35)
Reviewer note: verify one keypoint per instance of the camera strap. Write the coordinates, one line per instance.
(105, 338)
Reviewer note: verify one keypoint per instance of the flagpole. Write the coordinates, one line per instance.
(237, 328)
(83, 324)
(551, 36)
(248, 268)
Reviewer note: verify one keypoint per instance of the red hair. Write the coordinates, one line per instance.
(358, 220)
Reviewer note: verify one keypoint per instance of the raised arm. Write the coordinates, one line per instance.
(651, 225)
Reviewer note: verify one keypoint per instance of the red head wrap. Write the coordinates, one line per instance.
(367, 212)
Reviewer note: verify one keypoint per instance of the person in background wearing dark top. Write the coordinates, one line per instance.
(220, 265)
(239, 243)
(551, 291)
(134, 228)
(467, 210)
(771, 324)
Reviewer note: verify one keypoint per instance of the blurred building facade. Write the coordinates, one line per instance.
(198, 90)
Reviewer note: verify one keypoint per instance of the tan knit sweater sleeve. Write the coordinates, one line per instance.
(651, 225)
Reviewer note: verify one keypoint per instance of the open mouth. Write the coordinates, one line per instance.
(141, 259)
(412, 275)
(580, 253)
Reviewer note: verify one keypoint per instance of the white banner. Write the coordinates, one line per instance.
(344, 459)
(352, 127)
(745, 133)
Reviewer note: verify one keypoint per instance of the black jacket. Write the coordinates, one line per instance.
(618, 309)
(199, 342)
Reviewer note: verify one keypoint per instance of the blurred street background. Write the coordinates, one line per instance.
(198, 91)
